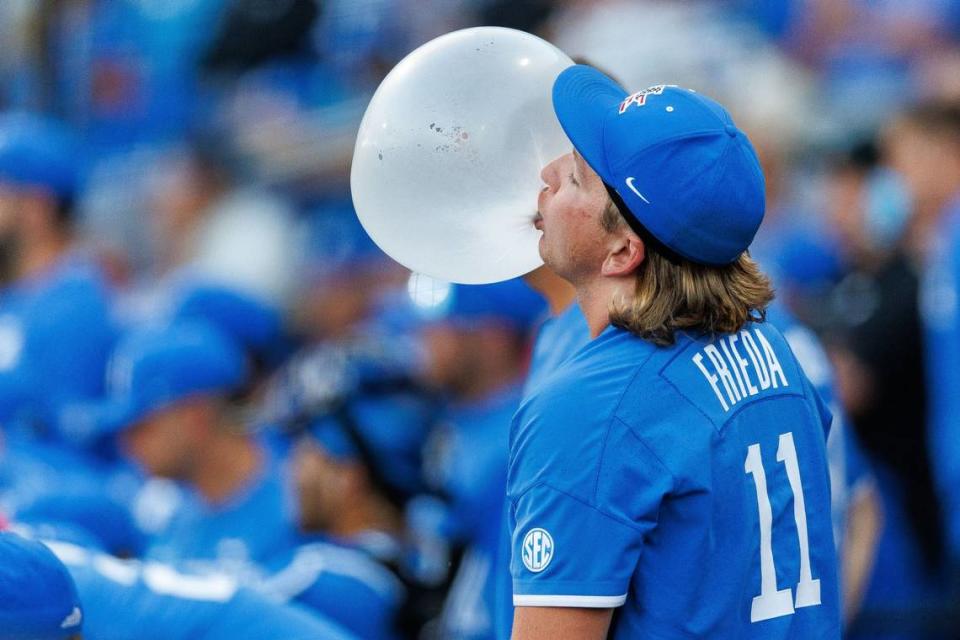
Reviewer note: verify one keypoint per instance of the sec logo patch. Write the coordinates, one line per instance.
(537, 551)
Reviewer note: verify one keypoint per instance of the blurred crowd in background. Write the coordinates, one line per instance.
(225, 409)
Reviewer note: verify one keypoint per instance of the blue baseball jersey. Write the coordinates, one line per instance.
(473, 474)
(558, 339)
(55, 337)
(687, 485)
(849, 470)
(30, 469)
(939, 296)
(345, 583)
(251, 527)
(129, 599)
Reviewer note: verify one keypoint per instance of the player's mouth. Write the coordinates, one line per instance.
(538, 221)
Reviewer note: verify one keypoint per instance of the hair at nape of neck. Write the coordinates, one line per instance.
(680, 295)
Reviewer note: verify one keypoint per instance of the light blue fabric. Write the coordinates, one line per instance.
(39, 153)
(153, 367)
(38, 600)
(633, 482)
(55, 338)
(154, 601)
(341, 580)
(558, 340)
(939, 300)
(250, 527)
(473, 475)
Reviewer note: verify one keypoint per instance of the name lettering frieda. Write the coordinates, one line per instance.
(734, 377)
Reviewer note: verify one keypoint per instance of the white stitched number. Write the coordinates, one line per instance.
(773, 602)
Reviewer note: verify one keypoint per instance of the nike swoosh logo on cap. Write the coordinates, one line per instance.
(634, 189)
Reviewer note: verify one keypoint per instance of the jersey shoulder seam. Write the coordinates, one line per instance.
(614, 417)
(587, 503)
(646, 446)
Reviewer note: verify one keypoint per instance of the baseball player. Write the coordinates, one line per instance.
(55, 333)
(169, 408)
(361, 424)
(674, 469)
(924, 144)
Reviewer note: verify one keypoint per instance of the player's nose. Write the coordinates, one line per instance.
(549, 175)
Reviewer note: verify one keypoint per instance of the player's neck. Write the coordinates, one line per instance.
(597, 295)
(226, 467)
(594, 298)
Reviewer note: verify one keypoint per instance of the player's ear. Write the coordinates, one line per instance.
(625, 253)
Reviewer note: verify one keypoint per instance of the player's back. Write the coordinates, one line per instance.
(696, 491)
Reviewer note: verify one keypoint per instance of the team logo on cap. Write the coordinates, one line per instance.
(640, 97)
(537, 551)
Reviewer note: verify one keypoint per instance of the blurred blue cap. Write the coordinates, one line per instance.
(38, 599)
(39, 152)
(338, 243)
(386, 432)
(254, 325)
(809, 262)
(154, 367)
(108, 522)
(511, 303)
(686, 173)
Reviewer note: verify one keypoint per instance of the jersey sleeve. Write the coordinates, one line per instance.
(556, 559)
(577, 546)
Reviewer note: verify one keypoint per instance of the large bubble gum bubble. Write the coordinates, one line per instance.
(446, 168)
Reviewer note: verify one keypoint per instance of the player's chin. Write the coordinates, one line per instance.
(548, 252)
(542, 247)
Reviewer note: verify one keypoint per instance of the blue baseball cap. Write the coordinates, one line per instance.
(388, 433)
(675, 158)
(39, 152)
(38, 600)
(511, 303)
(254, 325)
(154, 367)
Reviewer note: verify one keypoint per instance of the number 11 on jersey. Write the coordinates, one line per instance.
(773, 602)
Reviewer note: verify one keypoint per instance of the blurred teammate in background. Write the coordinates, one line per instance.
(361, 425)
(55, 332)
(210, 226)
(170, 405)
(257, 327)
(124, 599)
(871, 324)
(925, 147)
(477, 355)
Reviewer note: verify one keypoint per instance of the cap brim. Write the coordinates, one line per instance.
(88, 422)
(583, 98)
